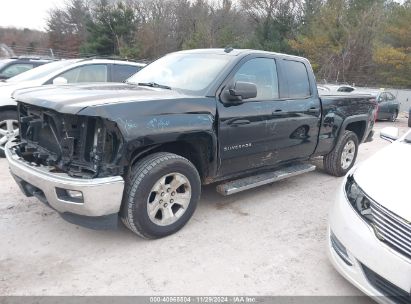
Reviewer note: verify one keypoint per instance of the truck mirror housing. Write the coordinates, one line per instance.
(241, 91)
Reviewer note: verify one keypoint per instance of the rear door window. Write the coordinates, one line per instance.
(297, 79)
(121, 72)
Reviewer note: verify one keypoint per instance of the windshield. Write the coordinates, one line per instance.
(41, 71)
(3, 62)
(192, 73)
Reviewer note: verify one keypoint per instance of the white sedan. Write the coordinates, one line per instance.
(369, 237)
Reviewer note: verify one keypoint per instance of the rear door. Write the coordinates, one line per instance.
(297, 115)
(393, 103)
(383, 106)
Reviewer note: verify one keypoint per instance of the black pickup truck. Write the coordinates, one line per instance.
(141, 150)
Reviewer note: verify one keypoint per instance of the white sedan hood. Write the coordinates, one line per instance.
(386, 178)
(7, 89)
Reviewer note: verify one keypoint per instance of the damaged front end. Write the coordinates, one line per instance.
(81, 146)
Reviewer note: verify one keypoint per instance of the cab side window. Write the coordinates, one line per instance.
(86, 73)
(297, 79)
(263, 73)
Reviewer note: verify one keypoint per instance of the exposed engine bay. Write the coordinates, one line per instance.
(81, 146)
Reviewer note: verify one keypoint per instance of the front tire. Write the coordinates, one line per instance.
(161, 195)
(9, 128)
(342, 158)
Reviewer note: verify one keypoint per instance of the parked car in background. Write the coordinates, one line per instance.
(59, 72)
(322, 89)
(369, 235)
(14, 66)
(388, 105)
(338, 88)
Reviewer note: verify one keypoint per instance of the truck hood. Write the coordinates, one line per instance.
(71, 99)
(385, 177)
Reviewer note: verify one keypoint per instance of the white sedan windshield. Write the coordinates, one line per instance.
(3, 62)
(187, 72)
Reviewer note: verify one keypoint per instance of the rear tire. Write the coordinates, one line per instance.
(161, 194)
(342, 158)
(394, 116)
(8, 128)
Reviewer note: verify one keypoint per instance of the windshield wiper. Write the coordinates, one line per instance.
(153, 85)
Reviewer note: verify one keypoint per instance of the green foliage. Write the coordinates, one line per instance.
(392, 51)
(111, 30)
(367, 42)
(339, 41)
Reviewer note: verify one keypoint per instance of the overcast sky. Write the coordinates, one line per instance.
(26, 13)
(31, 13)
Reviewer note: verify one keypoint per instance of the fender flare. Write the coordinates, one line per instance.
(351, 119)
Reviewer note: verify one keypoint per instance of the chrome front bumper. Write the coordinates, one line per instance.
(100, 196)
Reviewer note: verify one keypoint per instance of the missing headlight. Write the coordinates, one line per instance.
(358, 199)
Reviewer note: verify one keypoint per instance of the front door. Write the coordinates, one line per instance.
(271, 128)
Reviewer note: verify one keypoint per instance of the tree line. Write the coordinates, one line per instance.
(366, 42)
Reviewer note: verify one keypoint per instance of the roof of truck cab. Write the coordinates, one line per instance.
(236, 52)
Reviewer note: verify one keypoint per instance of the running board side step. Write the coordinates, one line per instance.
(254, 181)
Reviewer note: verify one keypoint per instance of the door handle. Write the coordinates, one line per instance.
(277, 111)
(239, 122)
(313, 110)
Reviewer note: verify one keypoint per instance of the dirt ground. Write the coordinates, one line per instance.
(265, 241)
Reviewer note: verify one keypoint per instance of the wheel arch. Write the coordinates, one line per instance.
(356, 124)
(199, 150)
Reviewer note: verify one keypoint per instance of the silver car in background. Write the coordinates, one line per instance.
(58, 73)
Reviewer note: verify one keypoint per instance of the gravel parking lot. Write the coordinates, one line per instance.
(266, 241)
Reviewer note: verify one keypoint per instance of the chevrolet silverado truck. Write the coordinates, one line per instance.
(141, 150)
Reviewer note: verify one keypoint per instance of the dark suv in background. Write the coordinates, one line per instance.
(11, 67)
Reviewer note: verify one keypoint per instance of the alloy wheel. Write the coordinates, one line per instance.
(168, 199)
(8, 130)
(348, 154)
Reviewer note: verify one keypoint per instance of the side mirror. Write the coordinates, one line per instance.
(241, 91)
(60, 80)
(390, 133)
